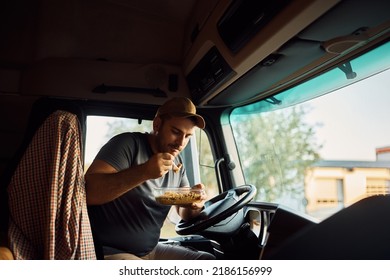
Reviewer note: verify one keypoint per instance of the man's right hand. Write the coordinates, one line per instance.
(159, 164)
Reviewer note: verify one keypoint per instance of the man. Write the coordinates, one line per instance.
(124, 215)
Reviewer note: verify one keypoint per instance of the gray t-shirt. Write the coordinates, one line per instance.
(132, 222)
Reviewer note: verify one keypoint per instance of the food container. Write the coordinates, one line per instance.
(177, 196)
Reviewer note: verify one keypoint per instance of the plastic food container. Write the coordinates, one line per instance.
(177, 196)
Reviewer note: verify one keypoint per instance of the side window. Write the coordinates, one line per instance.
(206, 164)
(100, 129)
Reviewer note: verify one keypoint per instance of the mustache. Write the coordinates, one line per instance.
(174, 146)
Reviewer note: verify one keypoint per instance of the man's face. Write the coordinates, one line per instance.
(173, 134)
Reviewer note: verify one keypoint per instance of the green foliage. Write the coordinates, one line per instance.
(275, 149)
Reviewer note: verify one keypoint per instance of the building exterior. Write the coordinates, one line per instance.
(333, 185)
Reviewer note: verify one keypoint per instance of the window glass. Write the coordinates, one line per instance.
(323, 145)
(100, 129)
(206, 162)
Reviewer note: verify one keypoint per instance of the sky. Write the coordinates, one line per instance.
(355, 122)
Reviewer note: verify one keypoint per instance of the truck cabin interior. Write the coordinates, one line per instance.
(116, 55)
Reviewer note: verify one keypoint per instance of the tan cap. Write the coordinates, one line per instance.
(181, 107)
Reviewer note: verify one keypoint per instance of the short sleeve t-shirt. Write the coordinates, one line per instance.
(132, 222)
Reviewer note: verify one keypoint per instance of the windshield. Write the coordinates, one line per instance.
(322, 145)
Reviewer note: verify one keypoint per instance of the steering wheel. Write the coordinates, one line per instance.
(217, 209)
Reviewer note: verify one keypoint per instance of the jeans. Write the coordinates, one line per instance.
(165, 252)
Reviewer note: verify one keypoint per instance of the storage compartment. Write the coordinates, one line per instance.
(244, 18)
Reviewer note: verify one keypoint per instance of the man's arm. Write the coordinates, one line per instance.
(104, 183)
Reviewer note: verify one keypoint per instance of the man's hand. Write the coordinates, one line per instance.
(199, 205)
(159, 164)
(192, 210)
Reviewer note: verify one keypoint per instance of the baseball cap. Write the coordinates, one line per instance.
(181, 107)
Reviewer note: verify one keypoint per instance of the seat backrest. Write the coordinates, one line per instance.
(40, 111)
(48, 217)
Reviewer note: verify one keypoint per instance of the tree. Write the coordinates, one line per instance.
(275, 149)
(120, 125)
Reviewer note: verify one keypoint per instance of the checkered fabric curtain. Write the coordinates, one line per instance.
(47, 197)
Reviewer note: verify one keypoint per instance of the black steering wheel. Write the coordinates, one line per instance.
(217, 209)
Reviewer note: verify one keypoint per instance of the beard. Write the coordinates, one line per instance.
(170, 148)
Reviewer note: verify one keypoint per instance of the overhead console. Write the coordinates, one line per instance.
(239, 23)
(325, 43)
(237, 35)
(208, 74)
